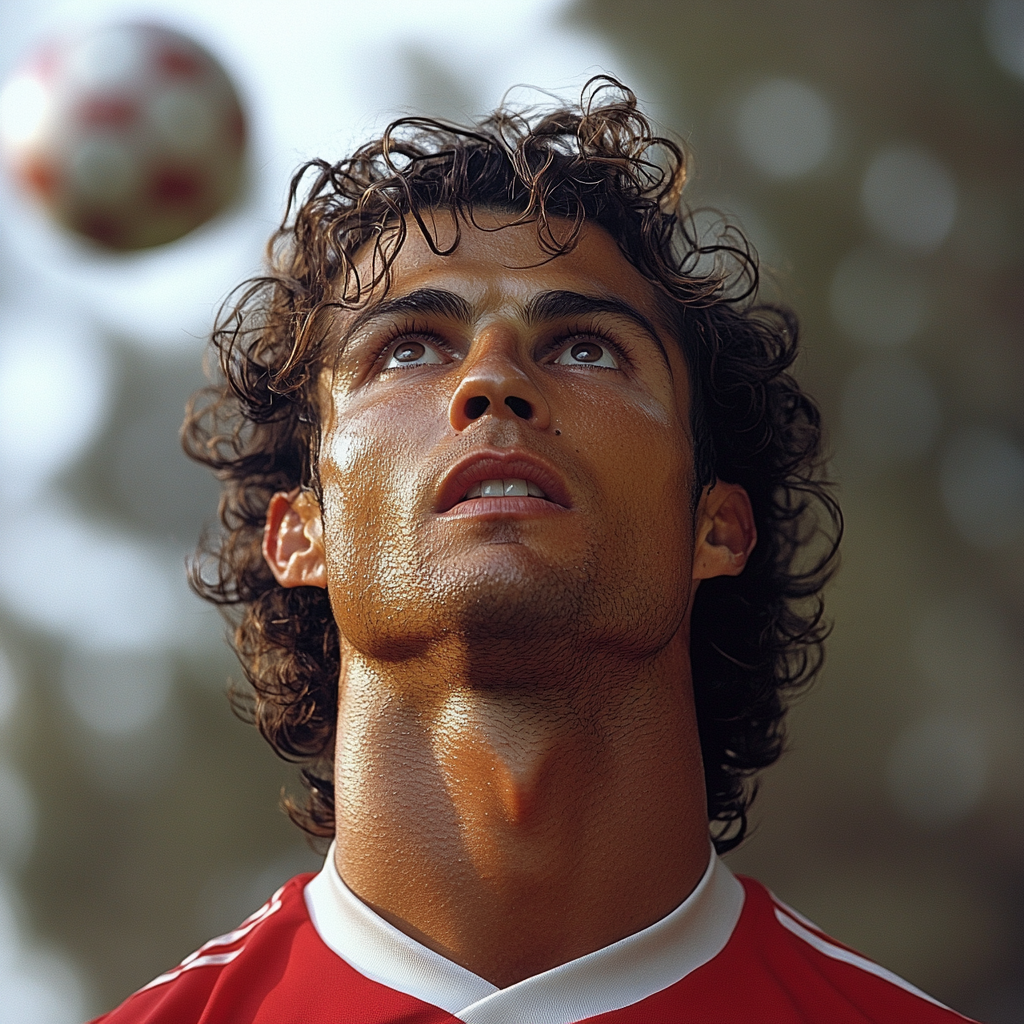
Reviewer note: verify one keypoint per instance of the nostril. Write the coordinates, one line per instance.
(520, 407)
(476, 406)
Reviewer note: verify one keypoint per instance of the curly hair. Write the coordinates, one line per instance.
(756, 638)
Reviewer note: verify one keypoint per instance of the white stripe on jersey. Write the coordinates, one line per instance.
(838, 953)
(213, 960)
(271, 906)
(796, 915)
(200, 958)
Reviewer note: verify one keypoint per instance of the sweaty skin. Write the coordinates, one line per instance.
(518, 769)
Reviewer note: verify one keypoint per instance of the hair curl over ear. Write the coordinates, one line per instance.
(757, 637)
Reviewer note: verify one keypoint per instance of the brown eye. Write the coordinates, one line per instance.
(409, 352)
(588, 353)
(412, 353)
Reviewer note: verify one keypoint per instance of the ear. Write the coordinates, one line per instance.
(293, 540)
(725, 532)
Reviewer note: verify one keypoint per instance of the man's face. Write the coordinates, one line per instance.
(556, 377)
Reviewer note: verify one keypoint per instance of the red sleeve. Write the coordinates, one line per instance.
(273, 969)
(184, 993)
(779, 967)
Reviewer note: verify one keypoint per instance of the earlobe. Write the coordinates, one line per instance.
(293, 542)
(726, 533)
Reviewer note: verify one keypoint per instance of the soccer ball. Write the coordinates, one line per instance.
(129, 134)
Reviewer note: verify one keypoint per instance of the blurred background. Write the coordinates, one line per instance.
(874, 153)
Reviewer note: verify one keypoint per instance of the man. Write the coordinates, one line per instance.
(518, 493)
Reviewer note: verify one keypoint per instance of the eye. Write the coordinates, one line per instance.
(412, 353)
(588, 353)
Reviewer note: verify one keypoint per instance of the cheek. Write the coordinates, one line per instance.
(369, 463)
(361, 472)
(639, 455)
(639, 449)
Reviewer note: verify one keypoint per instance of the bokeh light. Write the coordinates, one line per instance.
(785, 128)
(56, 381)
(118, 693)
(967, 658)
(877, 299)
(1004, 33)
(17, 818)
(10, 688)
(89, 583)
(983, 486)
(909, 198)
(37, 985)
(938, 768)
(132, 766)
(890, 411)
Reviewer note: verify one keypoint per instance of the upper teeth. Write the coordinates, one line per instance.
(500, 488)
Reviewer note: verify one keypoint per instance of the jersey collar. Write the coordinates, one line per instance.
(608, 979)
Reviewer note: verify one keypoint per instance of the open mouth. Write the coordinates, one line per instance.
(503, 482)
(515, 487)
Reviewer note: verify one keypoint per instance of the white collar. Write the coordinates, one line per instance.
(608, 979)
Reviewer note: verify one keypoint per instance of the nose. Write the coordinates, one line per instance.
(495, 383)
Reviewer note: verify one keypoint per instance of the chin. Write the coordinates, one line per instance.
(513, 598)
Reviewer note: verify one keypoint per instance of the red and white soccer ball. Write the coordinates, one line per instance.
(129, 134)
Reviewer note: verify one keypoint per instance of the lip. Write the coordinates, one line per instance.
(494, 464)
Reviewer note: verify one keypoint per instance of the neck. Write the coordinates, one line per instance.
(515, 827)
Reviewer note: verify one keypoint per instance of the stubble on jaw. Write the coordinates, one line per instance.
(514, 625)
(498, 604)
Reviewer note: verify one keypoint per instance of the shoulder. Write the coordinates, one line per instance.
(793, 964)
(273, 967)
(778, 966)
(183, 993)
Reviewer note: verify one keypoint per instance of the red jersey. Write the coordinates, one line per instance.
(729, 954)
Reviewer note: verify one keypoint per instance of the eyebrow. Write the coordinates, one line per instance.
(422, 302)
(560, 305)
(543, 308)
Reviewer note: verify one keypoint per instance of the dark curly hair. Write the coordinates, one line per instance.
(756, 638)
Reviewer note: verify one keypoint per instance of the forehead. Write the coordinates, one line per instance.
(498, 263)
